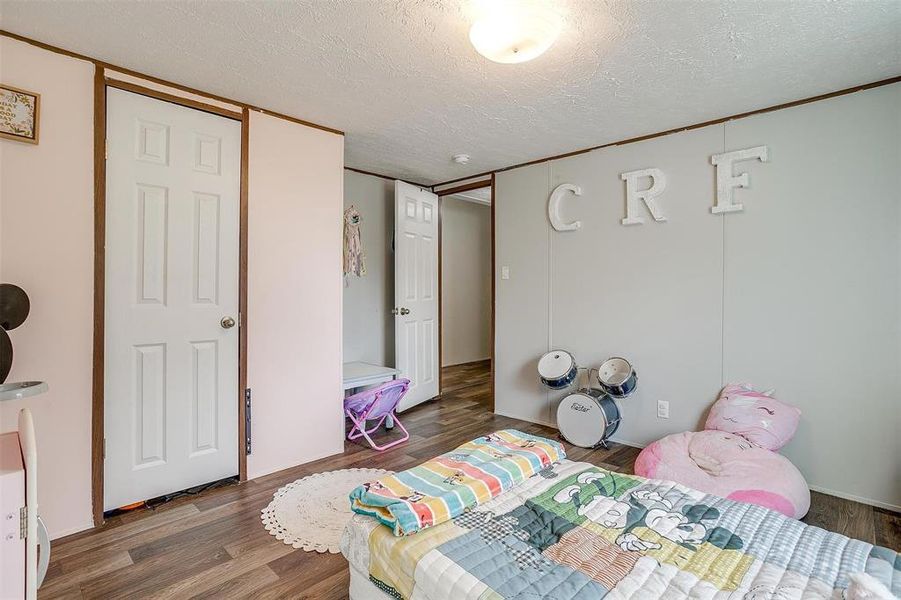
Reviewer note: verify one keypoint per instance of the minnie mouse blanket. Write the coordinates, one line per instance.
(577, 531)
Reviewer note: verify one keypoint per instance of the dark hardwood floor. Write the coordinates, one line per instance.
(213, 546)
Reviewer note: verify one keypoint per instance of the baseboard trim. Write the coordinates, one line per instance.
(815, 488)
(520, 418)
(868, 501)
(71, 531)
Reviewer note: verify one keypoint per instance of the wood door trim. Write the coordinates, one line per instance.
(98, 379)
(111, 67)
(537, 161)
(467, 187)
(158, 95)
(101, 83)
(493, 288)
(242, 293)
(440, 300)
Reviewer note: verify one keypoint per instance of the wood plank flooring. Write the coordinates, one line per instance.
(213, 546)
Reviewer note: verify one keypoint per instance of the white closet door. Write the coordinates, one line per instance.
(171, 347)
(416, 291)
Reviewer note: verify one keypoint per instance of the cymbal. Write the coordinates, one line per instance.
(6, 355)
(14, 306)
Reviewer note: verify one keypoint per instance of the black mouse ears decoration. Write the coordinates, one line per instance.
(14, 307)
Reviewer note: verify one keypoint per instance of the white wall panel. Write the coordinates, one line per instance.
(813, 266)
(651, 293)
(368, 300)
(800, 292)
(521, 326)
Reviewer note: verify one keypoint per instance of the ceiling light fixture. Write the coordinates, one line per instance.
(514, 32)
(460, 159)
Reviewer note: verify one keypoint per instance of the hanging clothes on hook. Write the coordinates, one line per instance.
(354, 258)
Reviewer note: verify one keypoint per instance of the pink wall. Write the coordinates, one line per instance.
(46, 247)
(294, 293)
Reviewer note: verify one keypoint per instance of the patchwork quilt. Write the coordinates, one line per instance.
(577, 531)
(442, 488)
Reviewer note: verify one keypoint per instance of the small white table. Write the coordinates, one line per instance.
(361, 374)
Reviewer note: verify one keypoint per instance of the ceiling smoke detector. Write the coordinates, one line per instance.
(460, 159)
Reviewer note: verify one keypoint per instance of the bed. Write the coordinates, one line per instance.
(576, 531)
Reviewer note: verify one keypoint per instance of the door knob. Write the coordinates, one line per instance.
(400, 311)
(227, 322)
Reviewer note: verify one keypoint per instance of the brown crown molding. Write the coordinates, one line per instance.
(362, 172)
(178, 86)
(466, 187)
(851, 90)
(152, 93)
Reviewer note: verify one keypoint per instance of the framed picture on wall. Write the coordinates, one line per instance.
(20, 113)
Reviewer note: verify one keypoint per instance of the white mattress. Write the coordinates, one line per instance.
(355, 547)
(355, 543)
(363, 589)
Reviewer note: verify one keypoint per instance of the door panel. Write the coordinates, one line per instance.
(171, 369)
(150, 408)
(416, 291)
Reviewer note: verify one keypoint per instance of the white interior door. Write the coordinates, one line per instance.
(171, 353)
(416, 290)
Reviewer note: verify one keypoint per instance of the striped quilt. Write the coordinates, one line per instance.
(442, 488)
(575, 531)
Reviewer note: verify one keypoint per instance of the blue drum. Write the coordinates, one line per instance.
(557, 369)
(617, 377)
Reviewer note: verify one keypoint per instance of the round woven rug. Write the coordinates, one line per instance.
(311, 513)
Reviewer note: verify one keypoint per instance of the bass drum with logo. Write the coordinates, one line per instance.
(588, 418)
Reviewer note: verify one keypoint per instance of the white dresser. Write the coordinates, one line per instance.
(12, 500)
(22, 567)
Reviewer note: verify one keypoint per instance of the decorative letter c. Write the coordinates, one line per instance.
(553, 207)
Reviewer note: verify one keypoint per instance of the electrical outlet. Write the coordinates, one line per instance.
(505, 272)
(662, 409)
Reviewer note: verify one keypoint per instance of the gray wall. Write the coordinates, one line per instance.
(465, 281)
(800, 292)
(368, 300)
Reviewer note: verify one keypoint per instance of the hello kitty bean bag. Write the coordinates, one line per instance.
(727, 465)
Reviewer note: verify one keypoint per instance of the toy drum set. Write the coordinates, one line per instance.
(588, 417)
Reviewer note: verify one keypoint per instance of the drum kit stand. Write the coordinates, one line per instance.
(589, 416)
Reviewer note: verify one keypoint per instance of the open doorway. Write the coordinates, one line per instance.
(378, 314)
(466, 292)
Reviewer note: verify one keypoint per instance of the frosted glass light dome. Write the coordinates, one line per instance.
(515, 33)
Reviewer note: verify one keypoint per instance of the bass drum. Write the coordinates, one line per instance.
(587, 418)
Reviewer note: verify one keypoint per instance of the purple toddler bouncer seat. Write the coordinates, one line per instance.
(376, 403)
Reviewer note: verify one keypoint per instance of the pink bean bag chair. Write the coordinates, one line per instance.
(727, 465)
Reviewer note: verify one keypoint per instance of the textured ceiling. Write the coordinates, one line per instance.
(400, 77)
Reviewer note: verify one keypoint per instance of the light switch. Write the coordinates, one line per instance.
(505, 272)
